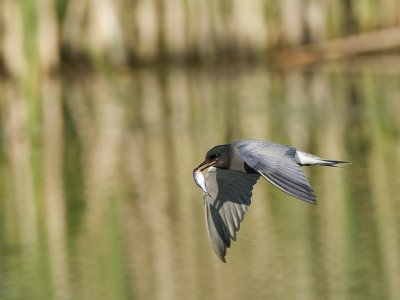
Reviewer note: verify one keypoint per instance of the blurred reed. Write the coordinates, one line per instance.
(38, 36)
(98, 200)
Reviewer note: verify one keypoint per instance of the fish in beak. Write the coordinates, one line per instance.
(198, 175)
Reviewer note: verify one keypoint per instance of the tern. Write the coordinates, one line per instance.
(233, 170)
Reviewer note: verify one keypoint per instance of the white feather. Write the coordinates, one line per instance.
(305, 158)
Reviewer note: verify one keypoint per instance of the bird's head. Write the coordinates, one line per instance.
(217, 156)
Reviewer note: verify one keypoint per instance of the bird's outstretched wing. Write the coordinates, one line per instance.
(277, 164)
(227, 201)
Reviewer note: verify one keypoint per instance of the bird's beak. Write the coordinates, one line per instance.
(204, 165)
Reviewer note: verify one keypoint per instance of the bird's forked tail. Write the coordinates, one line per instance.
(307, 159)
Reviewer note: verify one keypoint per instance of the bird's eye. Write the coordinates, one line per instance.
(214, 156)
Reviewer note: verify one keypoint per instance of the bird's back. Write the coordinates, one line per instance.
(251, 150)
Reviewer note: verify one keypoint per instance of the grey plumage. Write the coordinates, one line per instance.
(277, 164)
(227, 201)
(234, 169)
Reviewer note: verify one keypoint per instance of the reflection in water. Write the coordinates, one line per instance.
(98, 200)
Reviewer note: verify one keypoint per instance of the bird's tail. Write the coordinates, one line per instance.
(307, 159)
(332, 163)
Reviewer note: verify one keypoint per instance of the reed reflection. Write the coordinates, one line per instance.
(99, 202)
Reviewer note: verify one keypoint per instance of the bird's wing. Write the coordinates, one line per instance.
(227, 201)
(277, 164)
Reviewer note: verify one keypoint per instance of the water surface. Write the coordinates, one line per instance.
(98, 201)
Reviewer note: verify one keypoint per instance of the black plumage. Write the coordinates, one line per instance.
(233, 170)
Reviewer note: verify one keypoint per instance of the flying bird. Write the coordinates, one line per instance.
(233, 170)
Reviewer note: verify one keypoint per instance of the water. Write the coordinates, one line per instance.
(98, 200)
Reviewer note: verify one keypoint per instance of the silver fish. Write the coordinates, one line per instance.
(200, 180)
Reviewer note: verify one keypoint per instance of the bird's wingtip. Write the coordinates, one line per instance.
(220, 256)
(312, 201)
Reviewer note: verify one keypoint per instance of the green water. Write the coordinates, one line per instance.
(97, 199)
